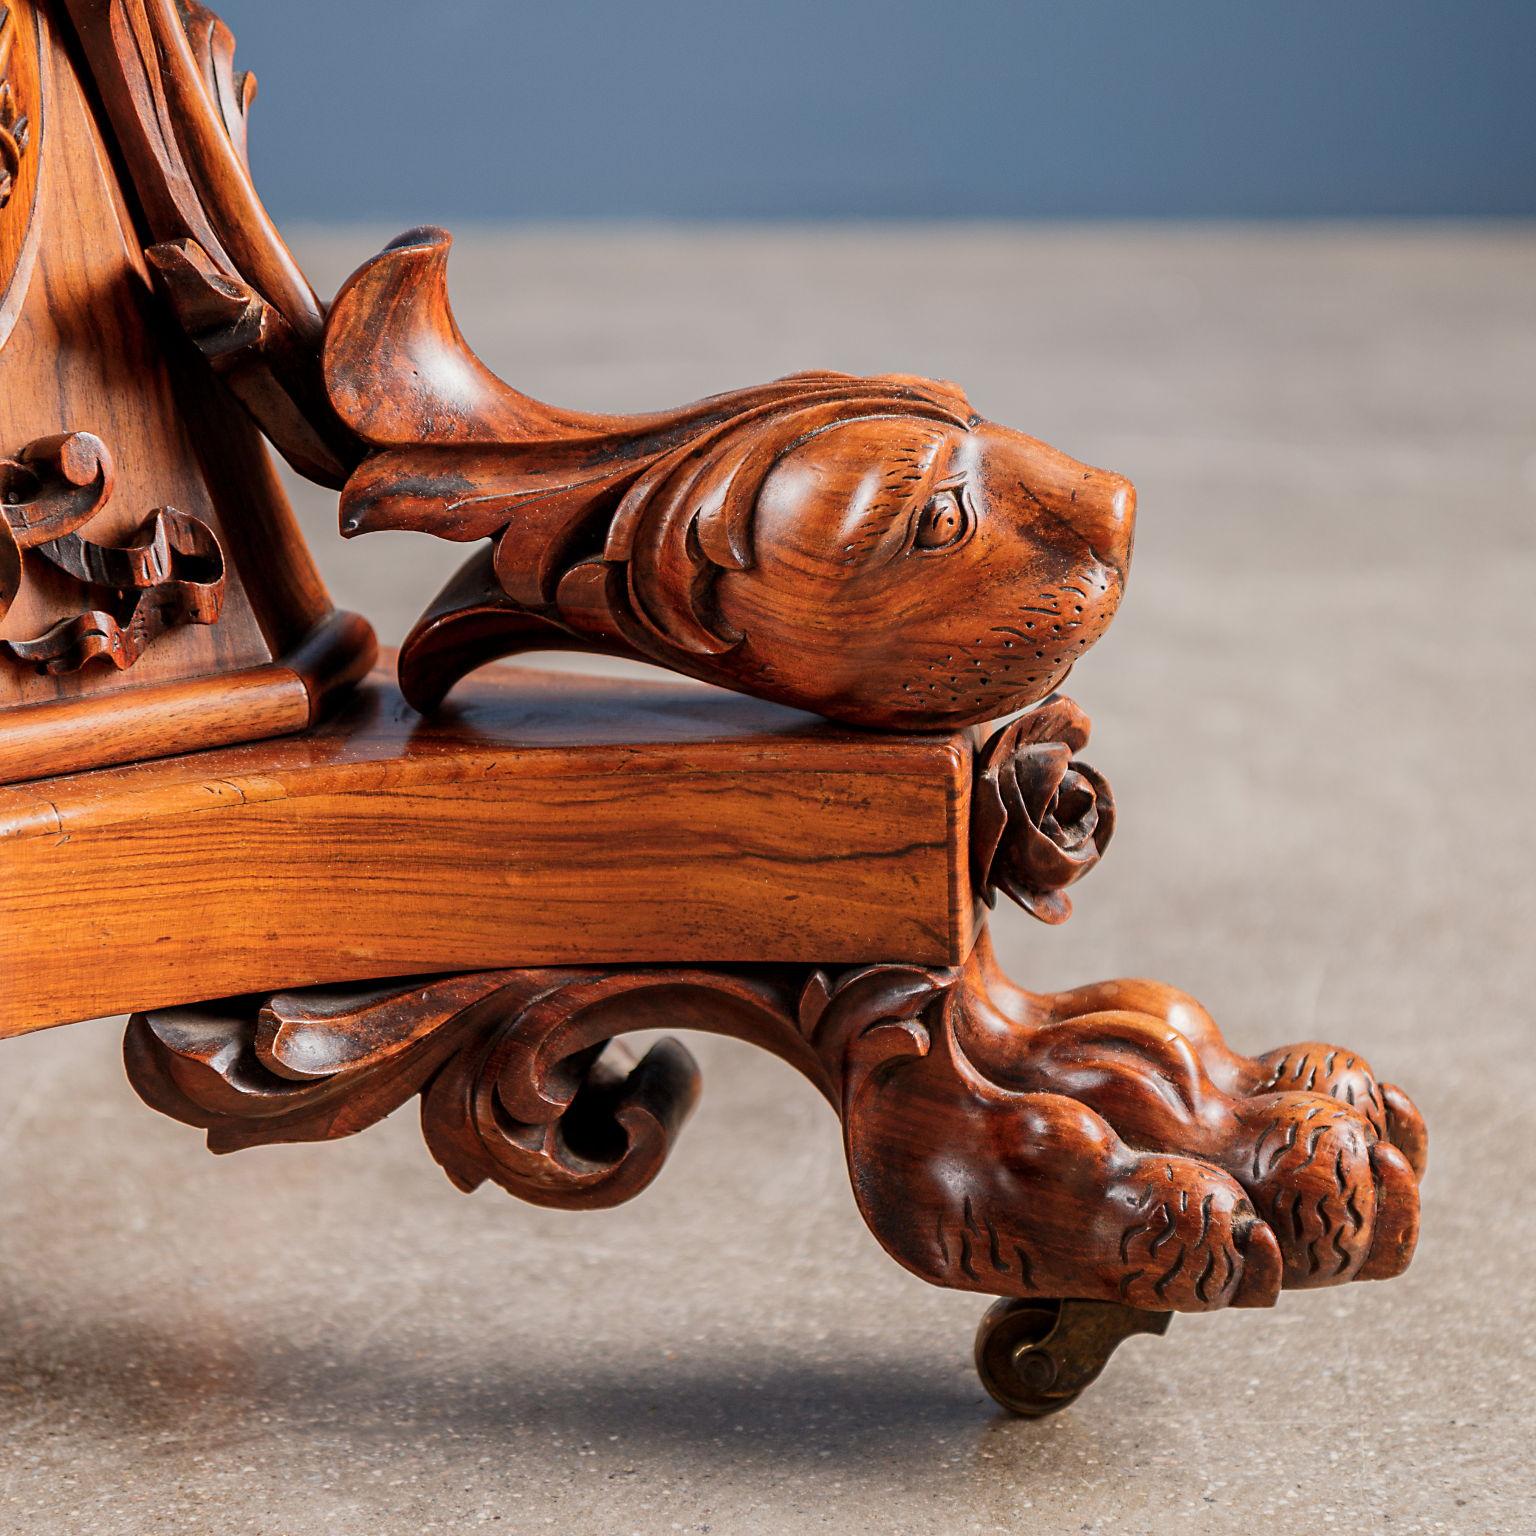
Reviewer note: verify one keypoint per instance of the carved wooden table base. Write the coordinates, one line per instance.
(1102, 1144)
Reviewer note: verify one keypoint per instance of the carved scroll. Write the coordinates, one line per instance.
(165, 71)
(170, 572)
(868, 548)
(1103, 1144)
(519, 1084)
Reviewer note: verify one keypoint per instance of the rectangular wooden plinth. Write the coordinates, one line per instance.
(541, 818)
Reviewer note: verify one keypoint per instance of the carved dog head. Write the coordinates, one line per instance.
(868, 548)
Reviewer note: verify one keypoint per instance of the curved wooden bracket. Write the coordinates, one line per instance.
(1102, 1144)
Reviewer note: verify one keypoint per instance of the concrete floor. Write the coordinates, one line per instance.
(1316, 709)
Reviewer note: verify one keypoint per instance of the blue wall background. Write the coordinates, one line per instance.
(408, 110)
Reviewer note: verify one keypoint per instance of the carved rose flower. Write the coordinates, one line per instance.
(1040, 819)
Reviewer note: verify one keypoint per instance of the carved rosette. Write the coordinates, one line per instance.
(1040, 817)
(170, 572)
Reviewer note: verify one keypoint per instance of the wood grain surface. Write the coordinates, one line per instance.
(94, 668)
(540, 820)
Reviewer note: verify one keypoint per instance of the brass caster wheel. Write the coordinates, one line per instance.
(1037, 1356)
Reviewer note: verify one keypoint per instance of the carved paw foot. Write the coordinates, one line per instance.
(1342, 1202)
(1035, 1194)
(1082, 1145)
(1315, 1067)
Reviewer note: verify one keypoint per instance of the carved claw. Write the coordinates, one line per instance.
(1194, 1244)
(1312, 1176)
(1038, 1356)
(1406, 1129)
(1316, 1067)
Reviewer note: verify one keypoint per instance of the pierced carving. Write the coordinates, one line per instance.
(1040, 818)
(165, 69)
(170, 572)
(519, 1084)
(868, 548)
(1103, 1144)
(15, 127)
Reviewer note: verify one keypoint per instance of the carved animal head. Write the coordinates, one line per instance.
(868, 548)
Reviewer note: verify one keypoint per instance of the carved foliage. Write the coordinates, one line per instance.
(1000, 1141)
(170, 572)
(519, 1082)
(1040, 818)
(868, 548)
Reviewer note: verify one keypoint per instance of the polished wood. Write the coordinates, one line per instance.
(870, 549)
(206, 580)
(68, 735)
(21, 109)
(170, 571)
(1042, 817)
(543, 819)
(469, 905)
(1103, 1143)
(180, 123)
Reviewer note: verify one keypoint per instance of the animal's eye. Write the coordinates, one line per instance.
(942, 523)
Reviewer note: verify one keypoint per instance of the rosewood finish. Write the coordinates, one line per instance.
(170, 572)
(465, 889)
(94, 667)
(1102, 1143)
(870, 549)
(543, 819)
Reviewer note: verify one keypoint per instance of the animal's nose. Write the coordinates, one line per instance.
(1104, 509)
(1041, 481)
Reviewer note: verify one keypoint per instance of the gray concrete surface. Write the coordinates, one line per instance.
(1316, 709)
